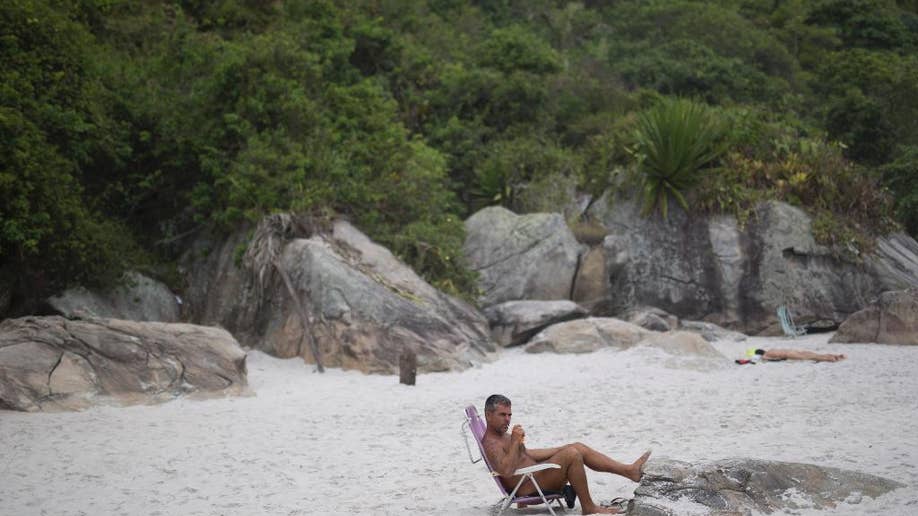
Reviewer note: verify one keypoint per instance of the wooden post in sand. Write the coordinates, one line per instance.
(407, 367)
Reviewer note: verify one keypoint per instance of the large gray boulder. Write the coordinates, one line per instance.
(685, 350)
(515, 322)
(651, 318)
(895, 261)
(367, 307)
(665, 263)
(892, 319)
(710, 269)
(521, 257)
(681, 343)
(137, 298)
(792, 269)
(215, 281)
(710, 331)
(586, 335)
(52, 363)
(748, 486)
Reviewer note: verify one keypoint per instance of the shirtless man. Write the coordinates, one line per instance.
(507, 453)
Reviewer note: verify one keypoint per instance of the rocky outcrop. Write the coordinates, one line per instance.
(710, 269)
(711, 332)
(651, 261)
(892, 319)
(521, 257)
(137, 298)
(51, 363)
(747, 486)
(367, 307)
(792, 269)
(586, 335)
(681, 349)
(591, 283)
(681, 343)
(515, 322)
(895, 261)
(650, 318)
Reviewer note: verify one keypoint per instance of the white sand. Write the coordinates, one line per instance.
(344, 442)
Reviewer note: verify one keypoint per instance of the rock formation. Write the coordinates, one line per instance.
(892, 319)
(587, 335)
(704, 268)
(138, 298)
(367, 306)
(747, 486)
(51, 363)
(521, 257)
(710, 331)
(515, 322)
(650, 318)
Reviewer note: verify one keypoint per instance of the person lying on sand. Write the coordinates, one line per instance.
(775, 355)
(507, 453)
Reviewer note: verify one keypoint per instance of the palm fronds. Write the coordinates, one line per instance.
(674, 140)
(263, 256)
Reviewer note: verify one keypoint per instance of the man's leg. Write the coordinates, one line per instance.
(796, 354)
(600, 462)
(572, 470)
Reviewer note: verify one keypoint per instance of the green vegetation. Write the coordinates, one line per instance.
(674, 140)
(128, 126)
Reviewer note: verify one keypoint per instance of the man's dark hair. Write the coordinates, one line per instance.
(494, 400)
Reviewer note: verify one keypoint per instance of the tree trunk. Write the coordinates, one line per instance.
(304, 319)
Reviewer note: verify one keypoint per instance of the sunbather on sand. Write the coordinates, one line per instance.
(775, 355)
(508, 452)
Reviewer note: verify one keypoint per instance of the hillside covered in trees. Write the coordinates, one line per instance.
(128, 127)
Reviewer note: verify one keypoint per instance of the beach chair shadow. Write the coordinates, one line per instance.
(473, 424)
(787, 323)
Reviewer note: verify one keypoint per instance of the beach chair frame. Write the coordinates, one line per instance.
(787, 323)
(474, 425)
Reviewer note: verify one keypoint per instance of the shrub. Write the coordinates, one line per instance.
(847, 201)
(674, 141)
(511, 166)
(901, 176)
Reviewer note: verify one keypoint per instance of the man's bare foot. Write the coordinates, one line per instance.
(636, 470)
(598, 509)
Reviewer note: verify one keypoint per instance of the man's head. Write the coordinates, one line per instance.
(498, 413)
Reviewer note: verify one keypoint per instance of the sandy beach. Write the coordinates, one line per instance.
(349, 443)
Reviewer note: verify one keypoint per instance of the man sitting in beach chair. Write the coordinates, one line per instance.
(507, 453)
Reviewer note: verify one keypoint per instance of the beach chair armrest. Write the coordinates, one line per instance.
(536, 467)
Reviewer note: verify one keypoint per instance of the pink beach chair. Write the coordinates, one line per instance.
(477, 427)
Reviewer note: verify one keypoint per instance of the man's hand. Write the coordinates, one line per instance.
(518, 435)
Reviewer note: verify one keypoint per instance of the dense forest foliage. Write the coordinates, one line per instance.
(128, 126)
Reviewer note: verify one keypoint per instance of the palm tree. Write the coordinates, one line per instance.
(263, 256)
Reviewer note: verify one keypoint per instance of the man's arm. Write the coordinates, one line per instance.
(504, 461)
